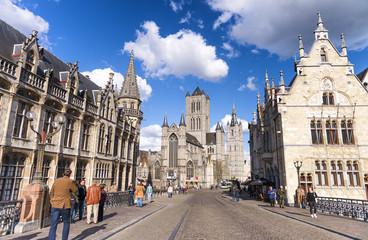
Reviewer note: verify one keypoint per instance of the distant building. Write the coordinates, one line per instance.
(191, 155)
(319, 119)
(100, 139)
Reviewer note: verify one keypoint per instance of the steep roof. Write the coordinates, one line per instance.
(198, 92)
(210, 138)
(10, 36)
(130, 85)
(362, 74)
(193, 140)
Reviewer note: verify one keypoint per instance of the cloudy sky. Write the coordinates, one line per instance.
(222, 46)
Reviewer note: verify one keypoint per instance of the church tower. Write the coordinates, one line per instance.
(235, 147)
(197, 114)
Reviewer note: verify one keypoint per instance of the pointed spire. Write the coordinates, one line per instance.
(321, 32)
(234, 121)
(218, 126)
(187, 94)
(130, 85)
(282, 84)
(301, 47)
(267, 81)
(272, 83)
(320, 22)
(343, 45)
(234, 112)
(165, 124)
(182, 121)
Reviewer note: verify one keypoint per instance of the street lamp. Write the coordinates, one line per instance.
(298, 164)
(42, 138)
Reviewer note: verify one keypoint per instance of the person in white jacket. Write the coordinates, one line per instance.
(170, 191)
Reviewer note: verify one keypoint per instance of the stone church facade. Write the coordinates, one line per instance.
(319, 119)
(192, 155)
(98, 141)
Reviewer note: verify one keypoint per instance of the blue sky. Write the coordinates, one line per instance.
(223, 46)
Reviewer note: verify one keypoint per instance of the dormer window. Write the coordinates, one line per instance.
(323, 55)
(328, 99)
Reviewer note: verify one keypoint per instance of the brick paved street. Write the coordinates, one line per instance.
(209, 214)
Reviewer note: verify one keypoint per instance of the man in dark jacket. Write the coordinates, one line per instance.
(312, 202)
(131, 191)
(82, 191)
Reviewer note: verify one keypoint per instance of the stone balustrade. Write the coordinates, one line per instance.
(134, 112)
(32, 79)
(57, 91)
(91, 108)
(76, 101)
(7, 67)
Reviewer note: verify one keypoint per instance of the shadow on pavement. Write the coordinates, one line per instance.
(88, 232)
(31, 236)
(109, 215)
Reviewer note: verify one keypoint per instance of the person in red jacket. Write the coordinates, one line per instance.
(93, 198)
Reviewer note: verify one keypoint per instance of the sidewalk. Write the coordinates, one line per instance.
(344, 226)
(114, 220)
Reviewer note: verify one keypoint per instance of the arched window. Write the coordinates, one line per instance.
(323, 55)
(21, 122)
(353, 173)
(328, 99)
(198, 123)
(173, 150)
(321, 173)
(125, 106)
(109, 140)
(69, 130)
(63, 164)
(157, 170)
(347, 132)
(101, 136)
(316, 132)
(190, 170)
(193, 107)
(331, 131)
(11, 176)
(337, 176)
(198, 106)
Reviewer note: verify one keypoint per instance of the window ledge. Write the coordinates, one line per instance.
(69, 148)
(23, 139)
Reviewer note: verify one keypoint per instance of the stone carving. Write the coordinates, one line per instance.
(326, 84)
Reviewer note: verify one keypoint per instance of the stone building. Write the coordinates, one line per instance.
(192, 155)
(320, 118)
(100, 138)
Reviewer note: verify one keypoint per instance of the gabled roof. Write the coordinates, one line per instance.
(362, 74)
(193, 140)
(198, 92)
(210, 138)
(10, 36)
(130, 85)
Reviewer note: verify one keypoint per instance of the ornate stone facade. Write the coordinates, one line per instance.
(100, 138)
(319, 119)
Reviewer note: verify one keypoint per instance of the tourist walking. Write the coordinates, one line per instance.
(60, 204)
(140, 194)
(312, 202)
(74, 201)
(131, 191)
(149, 193)
(82, 191)
(236, 193)
(281, 194)
(272, 196)
(93, 198)
(169, 191)
(101, 203)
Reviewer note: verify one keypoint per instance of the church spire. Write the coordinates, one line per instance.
(130, 85)
(321, 32)
(182, 121)
(234, 121)
(165, 124)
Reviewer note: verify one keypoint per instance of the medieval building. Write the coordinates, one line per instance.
(317, 122)
(100, 137)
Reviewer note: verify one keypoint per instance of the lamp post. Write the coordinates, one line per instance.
(115, 162)
(42, 138)
(298, 164)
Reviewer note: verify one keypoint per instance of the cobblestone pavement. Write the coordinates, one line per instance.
(212, 215)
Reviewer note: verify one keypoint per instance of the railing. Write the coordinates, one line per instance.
(76, 101)
(353, 208)
(91, 108)
(7, 67)
(32, 79)
(9, 215)
(116, 199)
(57, 91)
(135, 112)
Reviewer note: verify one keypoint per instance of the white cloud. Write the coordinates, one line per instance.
(176, 5)
(180, 54)
(151, 138)
(181, 88)
(227, 119)
(231, 52)
(186, 18)
(101, 76)
(19, 17)
(250, 83)
(200, 23)
(241, 88)
(255, 51)
(260, 23)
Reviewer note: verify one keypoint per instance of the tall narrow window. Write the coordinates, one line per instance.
(81, 170)
(63, 164)
(323, 55)
(101, 136)
(353, 173)
(109, 140)
(347, 132)
(331, 131)
(328, 99)
(122, 150)
(69, 133)
(337, 174)
(129, 150)
(306, 181)
(85, 136)
(320, 170)
(11, 176)
(173, 150)
(198, 106)
(316, 132)
(21, 122)
(199, 123)
(157, 170)
(192, 105)
(190, 170)
(116, 145)
(47, 127)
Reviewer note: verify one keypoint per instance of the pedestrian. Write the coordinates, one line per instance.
(281, 194)
(312, 202)
(236, 193)
(74, 202)
(149, 193)
(169, 191)
(101, 203)
(60, 197)
(140, 194)
(272, 196)
(131, 191)
(82, 191)
(93, 198)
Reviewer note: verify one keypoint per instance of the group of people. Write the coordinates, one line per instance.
(68, 197)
